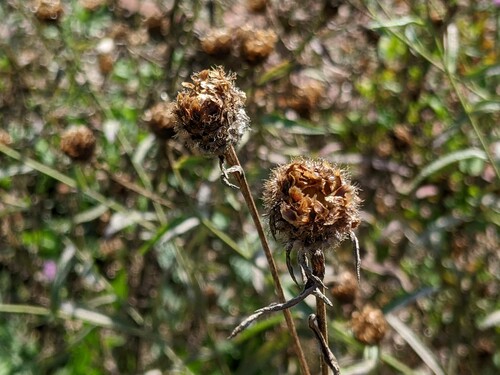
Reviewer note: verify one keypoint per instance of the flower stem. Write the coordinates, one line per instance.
(232, 160)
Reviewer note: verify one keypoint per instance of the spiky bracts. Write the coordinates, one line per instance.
(211, 112)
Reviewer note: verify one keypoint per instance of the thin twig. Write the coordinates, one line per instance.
(232, 160)
(272, 308)
(328, 356)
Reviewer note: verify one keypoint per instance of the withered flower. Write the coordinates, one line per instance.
(256, 45)
(369, 326)
(78, 143)
(48, 10)
(312, 205)
(313, 202)
(5, 138)
(257, 6)
(306, 97)
(162, 119)
(211, 112)
(345, 287)
(217, 42)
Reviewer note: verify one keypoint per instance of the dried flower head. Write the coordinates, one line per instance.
(217, 42)
(48, 10)
(311, 201)
(305, 98)
(78, 143)
(346, 287)
(369, 326)
(211, 112)
(256, 45)
(5, 138)
(162, 119)
(256, 6)
(106, 63)
(92, 5)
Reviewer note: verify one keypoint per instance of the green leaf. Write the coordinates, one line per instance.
(441, 163)
(276, 72)
(399, 22)
(486, 106)
(451, 47)
(491, 320)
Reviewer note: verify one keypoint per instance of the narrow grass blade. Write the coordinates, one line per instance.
(415, 343)
(441, 163)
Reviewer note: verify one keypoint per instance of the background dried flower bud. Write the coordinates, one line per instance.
(162, 119)
(305, 98)
(211, 112)
(256, 45)
(92, 5)
(311, 201)
(5, 138)
(78, 143)
(217, 42)
(48, 10)
(369, 326)
(256, 6)
(346, 287)
(106, 63)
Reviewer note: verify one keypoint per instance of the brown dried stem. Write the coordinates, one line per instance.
(318, 270)
(232, 160)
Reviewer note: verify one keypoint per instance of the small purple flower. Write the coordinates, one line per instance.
(49, 270)
(496, 2)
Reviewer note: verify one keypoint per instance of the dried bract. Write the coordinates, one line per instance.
(48, 10)
(256, 45)
(78, 143)
(369, 326)
(217, 42)
(211, 112)
(313, 202)
(162, 119)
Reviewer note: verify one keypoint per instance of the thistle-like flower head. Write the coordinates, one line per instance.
(211, 112)
(311, 201)
(78, 143)
(369, 325)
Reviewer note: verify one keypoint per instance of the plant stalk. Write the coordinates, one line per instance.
(232, 160)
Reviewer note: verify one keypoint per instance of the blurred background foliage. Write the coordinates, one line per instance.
(141, 261)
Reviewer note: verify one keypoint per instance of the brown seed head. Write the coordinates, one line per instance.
(256, 45)
(346, 287)
(305, 98)
(5, 138)
(92, 5)
(48, 10)
(162, 119)
(256, 6)
(78, 143)
(211, 112)
(106, 63)
(369, 325)
(217, 42)
(311, 201)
